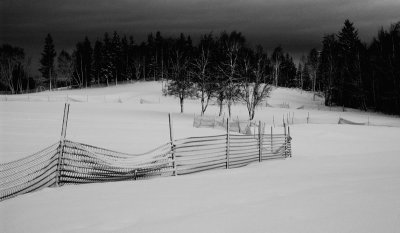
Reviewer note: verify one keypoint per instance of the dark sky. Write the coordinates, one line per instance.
(298, 25)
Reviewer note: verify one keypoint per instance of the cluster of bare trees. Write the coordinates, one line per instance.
(221, 68)
(14, 69)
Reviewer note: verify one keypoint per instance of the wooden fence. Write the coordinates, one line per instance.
(68, 162)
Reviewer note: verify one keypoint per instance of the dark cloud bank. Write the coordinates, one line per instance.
(297, 25)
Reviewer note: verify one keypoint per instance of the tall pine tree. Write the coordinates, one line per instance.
(47, 61)
(351, 86)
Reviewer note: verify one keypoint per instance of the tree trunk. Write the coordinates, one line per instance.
(220, 108)
(206, 105)
(181, 102)
(229, 107)
(314, 83)
(202, 103)
(50, 79)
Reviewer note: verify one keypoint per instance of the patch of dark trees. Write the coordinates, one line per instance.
(346, 70)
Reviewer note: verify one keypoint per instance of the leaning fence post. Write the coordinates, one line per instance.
(227, 143)
(284, 129)
(171, 137)
(62, 143)
(260, 142)
(283, 119)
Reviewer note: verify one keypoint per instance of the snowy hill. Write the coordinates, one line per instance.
(341, 178)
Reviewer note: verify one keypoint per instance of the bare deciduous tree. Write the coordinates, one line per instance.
(277, 57)
(180, 84)
(229, 66)
(253, 90)
(11, 59)
(201, 71)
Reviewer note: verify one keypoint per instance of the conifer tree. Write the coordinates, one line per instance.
(47, 61)
(65, 67)
(312, 62)
(98, 61)
(351, 89)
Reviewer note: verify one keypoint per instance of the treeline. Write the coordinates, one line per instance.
(354, 74)
(116, 58)
(347, 71)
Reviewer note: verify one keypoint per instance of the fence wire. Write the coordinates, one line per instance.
(30, 173)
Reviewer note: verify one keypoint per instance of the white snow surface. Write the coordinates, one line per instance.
(341, 178)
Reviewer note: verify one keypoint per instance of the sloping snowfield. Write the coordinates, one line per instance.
(341, 178)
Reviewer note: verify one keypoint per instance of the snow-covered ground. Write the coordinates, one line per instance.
(341, 178)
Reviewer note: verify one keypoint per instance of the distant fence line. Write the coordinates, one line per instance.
(75, 98)
(249, 127)
(235, 124)
(63, 98)
(42, 88)
(68, 162)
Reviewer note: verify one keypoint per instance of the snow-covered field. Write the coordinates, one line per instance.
(341, 178)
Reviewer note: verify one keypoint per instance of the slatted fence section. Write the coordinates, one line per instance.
(30, 173)
(83, 163)
(244, 149)
(197, 154)
(276, 146)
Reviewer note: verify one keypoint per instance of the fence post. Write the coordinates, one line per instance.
(273, 120)
(272, 143)
(284, 129)
(171, 137)
(62, 143)
(292, 117)
(238, 123)
(260, 142)
(287, 117)
(288, 128)
(308, 116)
(227, 143)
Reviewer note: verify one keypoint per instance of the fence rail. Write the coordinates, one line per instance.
(68, 162)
